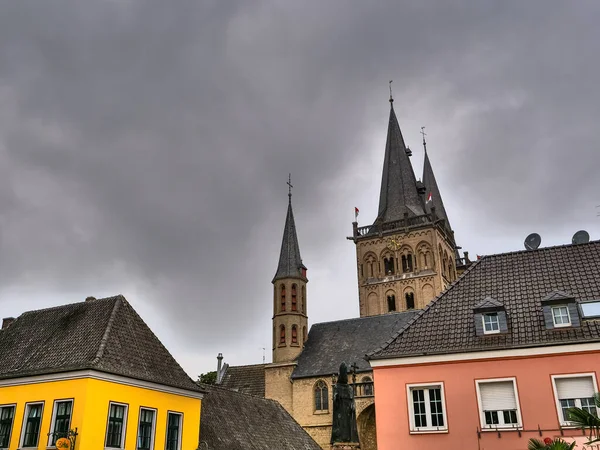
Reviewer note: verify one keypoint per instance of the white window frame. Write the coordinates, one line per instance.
(12, 426)
(485, 426)
(24, 424)
(53, 418)
(123, 434)
(559, 325)
(561, 419)
(429, 429)
(155, 411)
(180, 414)
(483, 316)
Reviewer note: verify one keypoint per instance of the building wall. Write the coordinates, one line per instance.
(426, 281)
(535, 394)
(90, 410)
(278, 384)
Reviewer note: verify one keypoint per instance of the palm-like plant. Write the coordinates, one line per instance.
(550, 444)
(587, 421)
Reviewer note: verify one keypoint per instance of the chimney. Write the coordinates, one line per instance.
(466, 257)
(90, 299)
(7, 322)
(219, 367)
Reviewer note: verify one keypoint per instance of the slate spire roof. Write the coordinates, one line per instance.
(432, 188)
(399, 192)
(290, 261)
(106, 335)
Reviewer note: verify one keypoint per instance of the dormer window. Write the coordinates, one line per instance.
(491, 323)
(490, 317)
(560, 311)
(560, 316)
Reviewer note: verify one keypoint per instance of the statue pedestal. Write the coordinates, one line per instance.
(345, 446)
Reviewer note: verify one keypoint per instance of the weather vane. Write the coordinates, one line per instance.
(391, 97)
(289, 183)
(424, 134)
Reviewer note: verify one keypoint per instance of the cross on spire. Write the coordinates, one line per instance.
(289, 183)
(391, 97)
(424, 143)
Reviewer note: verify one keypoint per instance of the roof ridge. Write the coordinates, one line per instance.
(220, 387)
(427, 308)
(246, 365)
(541, 249)
(111, 320)
(395, 313)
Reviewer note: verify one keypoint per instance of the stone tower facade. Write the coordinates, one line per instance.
(290, 321)
(408, 255)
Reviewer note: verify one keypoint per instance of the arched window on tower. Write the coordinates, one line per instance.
(407, 263)
(388, 264)
(391, 301)
(282, 297)
(321, 396)
(294, 299)
(410, 300)
(303, 334)
(303, 306)
(294, 334)
(282, 335)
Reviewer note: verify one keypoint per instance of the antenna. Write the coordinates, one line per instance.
(581, 237)
(533, 241)
(391, 97)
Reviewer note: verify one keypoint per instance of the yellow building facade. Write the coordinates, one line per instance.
(123, 398)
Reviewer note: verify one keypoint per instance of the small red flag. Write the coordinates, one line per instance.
(355, 212)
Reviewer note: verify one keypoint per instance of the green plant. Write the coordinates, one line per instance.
(549, 444)
(208, 377)
(587, 421)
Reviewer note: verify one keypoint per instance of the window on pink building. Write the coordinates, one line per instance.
(426, 407)
(574, 391)
(498, 404)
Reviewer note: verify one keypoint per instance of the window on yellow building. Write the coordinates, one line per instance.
(115, 430)
(145, 440)
(61, 420)
(7, 416)
(174, 431)
(30, 434)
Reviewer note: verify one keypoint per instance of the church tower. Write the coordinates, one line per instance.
(408, 255)
(290, 320)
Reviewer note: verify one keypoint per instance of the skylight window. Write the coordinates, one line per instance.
(590, 309)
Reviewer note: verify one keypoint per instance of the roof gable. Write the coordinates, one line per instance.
(488, 303)
(518, 280)
(235, 421)
(104, 334)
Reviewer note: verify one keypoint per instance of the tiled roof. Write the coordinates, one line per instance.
(330, 343)
(488, 302)
(234, 421)
(518, 280)
(104, 334)
(290, 261)
(246, 379)
(398, 194)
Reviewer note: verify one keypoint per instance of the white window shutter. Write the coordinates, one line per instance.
(580, 387)
(498, 396)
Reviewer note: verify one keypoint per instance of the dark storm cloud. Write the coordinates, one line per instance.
(145, 145)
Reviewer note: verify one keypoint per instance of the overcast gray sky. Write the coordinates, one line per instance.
(145, 146)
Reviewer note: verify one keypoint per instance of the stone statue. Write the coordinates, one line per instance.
(344, 428)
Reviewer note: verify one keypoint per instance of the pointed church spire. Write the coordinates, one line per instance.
(432, 193)
(290, 262)
(399, 194)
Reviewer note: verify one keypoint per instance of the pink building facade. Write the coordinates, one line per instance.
(498, 358)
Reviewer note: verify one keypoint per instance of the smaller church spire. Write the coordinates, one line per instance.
(290, 261)
(433, 196)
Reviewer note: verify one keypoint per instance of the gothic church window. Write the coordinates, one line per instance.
(367, 388)
(283, 297)
(303, 306)
(294, 334)
(282, 335)
(294, 300)
(410, 300)
(388, 265)
(303, 334)
(391, 300)
(321, 396)
(407, 263)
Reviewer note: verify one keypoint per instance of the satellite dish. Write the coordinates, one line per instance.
(581, 237)
(533, 241)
